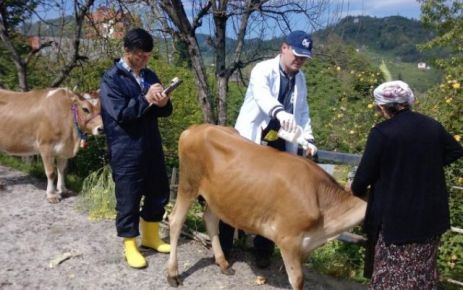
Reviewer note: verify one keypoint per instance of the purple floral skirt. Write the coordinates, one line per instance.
(405, 266)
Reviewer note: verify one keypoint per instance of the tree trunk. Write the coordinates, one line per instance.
(21, 69)
(222, 91)
(20, 65)
(176, 12)
(201, 81)
(221, 73)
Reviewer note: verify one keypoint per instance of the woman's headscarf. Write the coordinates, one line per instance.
(393, 92)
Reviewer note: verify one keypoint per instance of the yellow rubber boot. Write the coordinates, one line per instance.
(133, 256)
(150, 237)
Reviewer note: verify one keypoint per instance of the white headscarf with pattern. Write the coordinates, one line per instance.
(393, 92)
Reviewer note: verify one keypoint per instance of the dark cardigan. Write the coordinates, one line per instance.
(403, 163)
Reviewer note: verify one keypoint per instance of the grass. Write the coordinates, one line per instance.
(35, 169)
(419, 80)
(97, 197)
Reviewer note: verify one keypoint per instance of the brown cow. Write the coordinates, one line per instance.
(49, 122)
(280, 196)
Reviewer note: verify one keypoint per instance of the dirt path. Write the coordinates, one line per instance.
(35, 234)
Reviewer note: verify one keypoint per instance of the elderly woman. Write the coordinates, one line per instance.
(402, 170)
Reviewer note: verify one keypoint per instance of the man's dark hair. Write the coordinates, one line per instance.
(138, 38)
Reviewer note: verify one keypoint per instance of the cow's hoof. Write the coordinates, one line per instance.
(66, 193)
(174, 281)
(228, 271)
(54, 198)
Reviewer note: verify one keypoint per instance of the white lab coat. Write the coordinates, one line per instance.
(262, 97)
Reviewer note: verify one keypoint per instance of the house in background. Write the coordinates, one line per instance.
(100, 27)
(423, 66)
(107, 23)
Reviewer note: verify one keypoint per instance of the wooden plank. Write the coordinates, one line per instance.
(351, 238)
(456, 230)
(454, 282)
(339, 157)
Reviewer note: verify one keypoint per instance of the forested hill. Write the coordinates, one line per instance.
(395, 36)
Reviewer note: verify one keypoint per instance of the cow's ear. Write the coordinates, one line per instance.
(91, 97)
(72, 95)
(81, 97)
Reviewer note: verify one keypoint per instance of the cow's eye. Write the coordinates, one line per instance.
(86, 110)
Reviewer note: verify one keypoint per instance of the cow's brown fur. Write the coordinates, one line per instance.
(282, 197)
(42, 122)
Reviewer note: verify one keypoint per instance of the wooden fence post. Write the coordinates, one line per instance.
(173, 184)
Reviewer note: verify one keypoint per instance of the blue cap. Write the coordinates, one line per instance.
(301, 43)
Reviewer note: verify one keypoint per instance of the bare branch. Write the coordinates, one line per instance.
(37, 50)
(197, 21)
(79, 13)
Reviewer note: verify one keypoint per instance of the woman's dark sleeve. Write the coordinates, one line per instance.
(122, 108)
(452, 149)
(369, 167)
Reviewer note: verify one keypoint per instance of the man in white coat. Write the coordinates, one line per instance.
(276, 98)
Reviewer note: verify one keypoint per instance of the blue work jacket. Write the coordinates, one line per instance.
(131, 125)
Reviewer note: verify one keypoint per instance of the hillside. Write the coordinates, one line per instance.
(393, 40)
(393, 36)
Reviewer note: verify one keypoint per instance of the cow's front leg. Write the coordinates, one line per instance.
(49, 164)
(61, 164)
(212, 225)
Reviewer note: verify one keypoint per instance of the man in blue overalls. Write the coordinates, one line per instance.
(132, 99)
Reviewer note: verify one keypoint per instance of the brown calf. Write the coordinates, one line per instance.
(49, 122)
(282, 197)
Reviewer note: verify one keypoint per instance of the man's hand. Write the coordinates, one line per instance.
(287, 121)
(155, 95)
(311, 149)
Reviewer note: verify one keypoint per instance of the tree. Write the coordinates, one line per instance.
(446, 18)
(445, 103)
(80, 12)
(14, 13)
(257, 18)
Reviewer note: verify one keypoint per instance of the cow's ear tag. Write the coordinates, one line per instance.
(83, 144)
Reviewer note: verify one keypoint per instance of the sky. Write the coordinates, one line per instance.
(336, 10)
(378, 8)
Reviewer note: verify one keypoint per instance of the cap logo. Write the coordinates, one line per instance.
(306, 43)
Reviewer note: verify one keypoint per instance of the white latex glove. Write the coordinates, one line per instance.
(287, 121)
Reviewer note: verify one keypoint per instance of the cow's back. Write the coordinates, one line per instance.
(31, 118)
